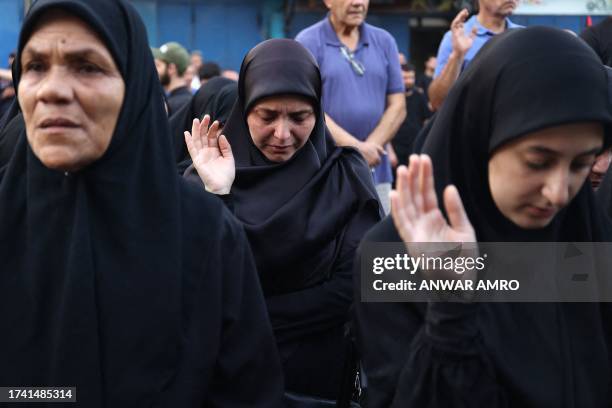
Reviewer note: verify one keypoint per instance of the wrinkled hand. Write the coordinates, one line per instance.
(462, 42)
(371, 152)
(211, 155)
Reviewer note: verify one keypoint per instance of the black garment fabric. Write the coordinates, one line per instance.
(200, 105)
(500, 354)
(177, 98)
(9, 134)
(604, 193)
(303, 217)
(417, 113)
(122, 279)
(599, 38)
(423, 82)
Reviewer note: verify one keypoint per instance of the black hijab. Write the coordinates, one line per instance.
(296, 210)
(90, 289)
(494, 102)
(604, 193)
(9, 134)
(201, 104)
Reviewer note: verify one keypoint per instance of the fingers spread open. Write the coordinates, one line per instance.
(211, 135)
(189, 143)
(414, 170)
(455, 210)
(195, 135)
(225, 147)
(430, 198)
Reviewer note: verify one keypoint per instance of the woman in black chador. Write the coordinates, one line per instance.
(510, 150)
(304, 204)
(118, 278)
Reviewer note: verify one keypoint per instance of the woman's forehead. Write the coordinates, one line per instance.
(573, 138)
(284, 102)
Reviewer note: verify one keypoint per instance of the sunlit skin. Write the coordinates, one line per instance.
(281, 125)
(499, 8)
(600, 168)
(70, 93)
(532, 178)
(349, 13)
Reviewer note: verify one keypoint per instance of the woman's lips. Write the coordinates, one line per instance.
(539, 212)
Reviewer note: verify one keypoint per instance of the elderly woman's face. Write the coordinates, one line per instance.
(70, 93)
(280, 125)
(532, 178)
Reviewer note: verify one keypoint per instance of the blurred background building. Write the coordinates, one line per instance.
(224, 30)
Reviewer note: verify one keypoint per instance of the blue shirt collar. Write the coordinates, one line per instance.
(481, 30)
(331, 38)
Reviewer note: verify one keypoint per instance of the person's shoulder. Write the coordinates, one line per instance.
(310, 33)
(378, 33)
(203, 211)
(384, 231)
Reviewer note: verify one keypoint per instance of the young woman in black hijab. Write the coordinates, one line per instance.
(304, 203)
(201, 104)
(118, 278)
(511, 150)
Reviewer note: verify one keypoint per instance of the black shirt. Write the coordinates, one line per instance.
(178, 98)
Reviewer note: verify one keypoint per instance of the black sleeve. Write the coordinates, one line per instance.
(327, 305)
(248, 371)
(422, 355)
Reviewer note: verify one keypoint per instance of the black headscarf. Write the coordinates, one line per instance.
(92, 287)
(500, 354)
(292, 211)
(9, 134)
(604, 193)
(200, 105)
(494, 102)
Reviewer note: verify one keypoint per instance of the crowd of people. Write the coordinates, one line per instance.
(177, 235)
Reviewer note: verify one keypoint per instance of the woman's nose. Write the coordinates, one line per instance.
(557, 188)
(282, 130)
(55, 86)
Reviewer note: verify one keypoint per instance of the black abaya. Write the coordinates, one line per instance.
(499, 354)
(121, 279)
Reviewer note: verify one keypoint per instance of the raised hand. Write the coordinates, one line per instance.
(415, 211)
(212, 156)
(461, 41)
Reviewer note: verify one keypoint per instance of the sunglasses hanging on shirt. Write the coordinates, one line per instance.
(350, 57)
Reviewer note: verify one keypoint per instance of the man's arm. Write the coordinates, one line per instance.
(392, 119)
(341, 136)
(442, 84)
(370, 151)
(461, 43)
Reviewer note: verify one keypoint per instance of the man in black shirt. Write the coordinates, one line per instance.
(171, 61)
(417, 112)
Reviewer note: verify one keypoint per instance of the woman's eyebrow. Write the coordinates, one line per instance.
(302, 112)
(76, 54)
(552, 152)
